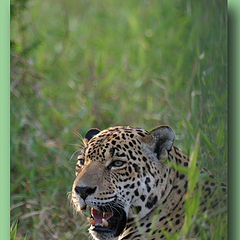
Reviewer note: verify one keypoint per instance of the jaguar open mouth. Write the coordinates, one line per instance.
(102, 220)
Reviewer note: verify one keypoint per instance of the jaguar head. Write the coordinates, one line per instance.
(115, 176)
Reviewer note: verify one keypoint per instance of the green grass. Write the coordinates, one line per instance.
(82, 64)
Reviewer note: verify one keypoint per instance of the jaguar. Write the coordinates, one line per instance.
(128, 179)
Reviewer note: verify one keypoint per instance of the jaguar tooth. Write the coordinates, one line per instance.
(91, 221)
(105, 222)
(104, 214)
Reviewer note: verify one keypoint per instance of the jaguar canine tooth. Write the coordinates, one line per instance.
(104, 214)
(105, 222)
(91, 221)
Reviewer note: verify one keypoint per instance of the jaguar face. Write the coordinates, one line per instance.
(115, 177)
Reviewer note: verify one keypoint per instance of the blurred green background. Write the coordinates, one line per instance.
(78, 64)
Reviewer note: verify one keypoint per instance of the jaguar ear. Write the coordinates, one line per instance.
(90, 133)
(161, 141)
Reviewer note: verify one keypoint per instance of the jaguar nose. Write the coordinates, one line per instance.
(83, 192)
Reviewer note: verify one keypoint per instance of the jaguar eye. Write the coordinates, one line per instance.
(81, 161)
(117, 163)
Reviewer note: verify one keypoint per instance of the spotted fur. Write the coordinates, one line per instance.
(145, 183)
